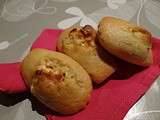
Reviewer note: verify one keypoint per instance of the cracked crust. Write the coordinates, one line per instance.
(80, 44)
(57, 80)
(125, 40)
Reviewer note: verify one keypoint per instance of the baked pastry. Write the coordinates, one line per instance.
(80, 44)
(125, 40)
(56, 80)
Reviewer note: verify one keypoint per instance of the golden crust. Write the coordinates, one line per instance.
(125, 40)
(57, 80)
(80, 44)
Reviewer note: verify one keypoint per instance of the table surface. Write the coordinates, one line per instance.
(21, 21)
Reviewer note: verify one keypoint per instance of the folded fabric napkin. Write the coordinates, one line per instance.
(110, 100)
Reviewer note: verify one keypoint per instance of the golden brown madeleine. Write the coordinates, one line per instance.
(79, 43)
(56, 80)
(125, 40)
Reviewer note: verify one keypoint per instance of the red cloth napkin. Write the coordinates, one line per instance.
(110, 100)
